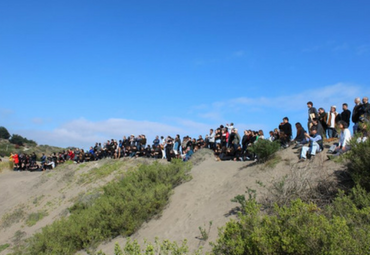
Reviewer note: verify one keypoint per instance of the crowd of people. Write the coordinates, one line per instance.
(225, 141)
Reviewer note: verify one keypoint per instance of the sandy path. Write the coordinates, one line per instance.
(203, 199)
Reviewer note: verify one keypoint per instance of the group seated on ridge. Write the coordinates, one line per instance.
(225, 141)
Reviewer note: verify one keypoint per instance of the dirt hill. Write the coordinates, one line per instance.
(31, 200)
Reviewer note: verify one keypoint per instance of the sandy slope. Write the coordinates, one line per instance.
(207, 198)
(194, 204)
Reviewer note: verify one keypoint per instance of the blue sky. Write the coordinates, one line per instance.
(73, 73)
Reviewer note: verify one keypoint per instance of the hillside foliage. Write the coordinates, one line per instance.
(120, 210)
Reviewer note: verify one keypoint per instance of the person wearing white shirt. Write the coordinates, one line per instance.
(344, 139)
(211, 139)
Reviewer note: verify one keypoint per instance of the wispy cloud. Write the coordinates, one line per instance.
(321, 96)
(312, 48)
(84, 133)
(239, 53)
(246, 112)
(363, 49)
(340, 47)
(4, 113)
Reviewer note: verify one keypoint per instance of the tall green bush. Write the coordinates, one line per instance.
(358, 163)
(264, 149)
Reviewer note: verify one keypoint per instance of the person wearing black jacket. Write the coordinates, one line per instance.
(285, 132)
(356, 114)
(346, 114)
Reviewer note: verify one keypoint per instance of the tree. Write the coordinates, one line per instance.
(16, 139)
(4, 134)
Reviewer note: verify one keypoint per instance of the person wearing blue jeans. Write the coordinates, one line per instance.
(314, 139)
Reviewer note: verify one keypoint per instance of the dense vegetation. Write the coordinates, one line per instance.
(121, 209)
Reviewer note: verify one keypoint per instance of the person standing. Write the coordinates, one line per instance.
(346, 114)
(331, 122)
(366, 109)
(312, 113)
(211, 139)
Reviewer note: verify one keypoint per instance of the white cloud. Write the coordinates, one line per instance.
(267, 110)
(84, 133)
(246, 112)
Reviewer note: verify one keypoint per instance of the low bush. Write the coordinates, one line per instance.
(264, 149)
(300, 228)
(165, 247)
(120, 210)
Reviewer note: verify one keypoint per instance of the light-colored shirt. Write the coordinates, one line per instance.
(344, 138)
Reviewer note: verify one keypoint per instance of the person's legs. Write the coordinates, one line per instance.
(315, 148)
(355, 128)
(330, 133)
(304, 152)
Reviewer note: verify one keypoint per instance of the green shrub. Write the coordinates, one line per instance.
(264, 149)
(121, 209)
(300, 228)
(358, 163)
(165, 247)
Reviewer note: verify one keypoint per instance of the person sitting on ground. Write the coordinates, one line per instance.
(49, 164)
(313, 147)
(200, 142)
(320, 130)
(260, 134)
(300, 138)
(285, 132)
(344, 139)
(188, 154)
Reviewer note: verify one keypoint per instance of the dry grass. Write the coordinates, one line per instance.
(306, 181)
(13, 217)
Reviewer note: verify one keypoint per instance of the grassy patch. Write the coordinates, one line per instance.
(100, 172)
(272, 162)
(13, 217)
(33, 218)
(37, 200)
(4, 246)
(6, 166)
